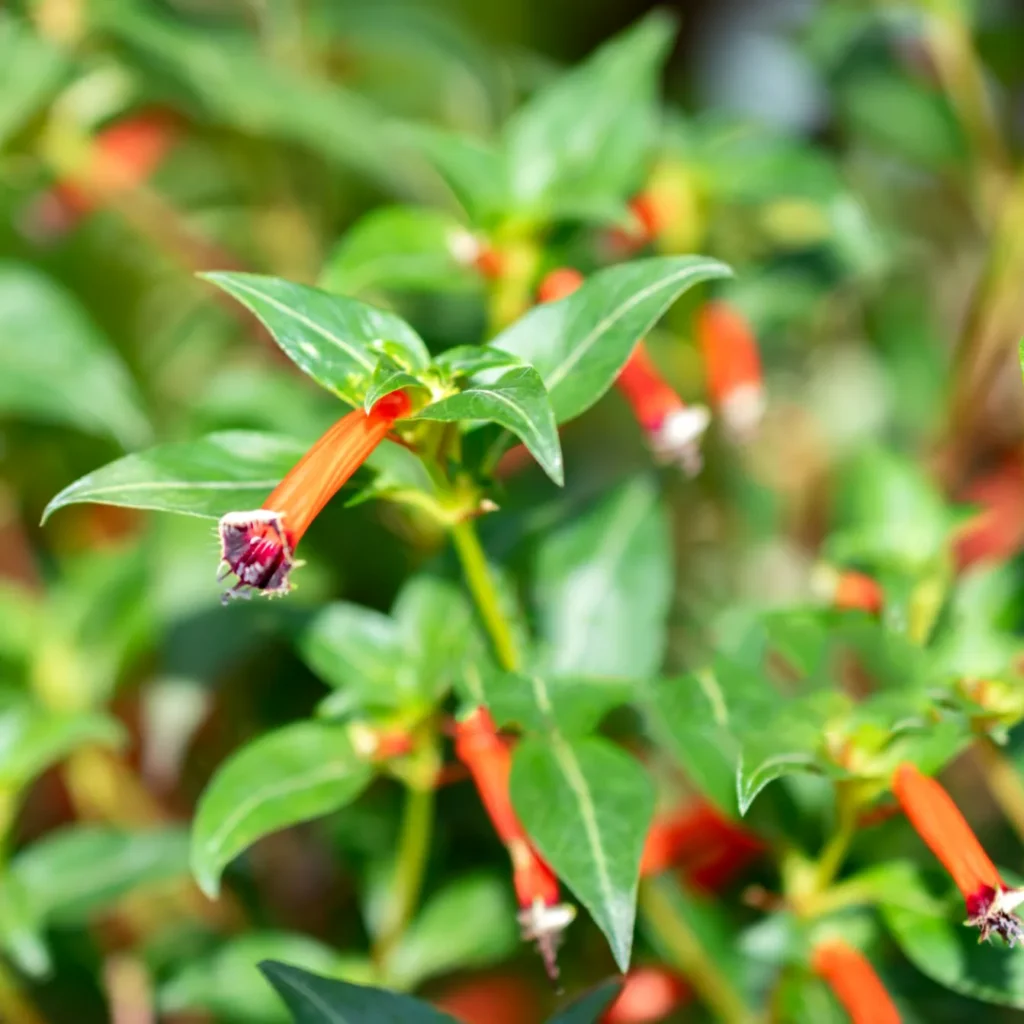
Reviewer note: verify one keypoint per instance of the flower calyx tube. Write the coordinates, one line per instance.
(488, 757)
(854, 982)
(258, 546)
(938, 821)
(732, 363)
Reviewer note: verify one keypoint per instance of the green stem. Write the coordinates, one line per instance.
(410, 867)
(700, 969)
(834, 853)
(482, 586)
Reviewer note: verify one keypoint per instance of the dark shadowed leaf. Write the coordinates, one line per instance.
(219, 473)
(587, 1009)
(228, 983)
(588, 805)
(408, 247)
(316, 1000)
(296, 773)
(603, 587)
(56, 365)
(517, 401)
(580, 344)
(333, 338)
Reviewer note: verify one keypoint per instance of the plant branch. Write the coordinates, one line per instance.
(14, 1006)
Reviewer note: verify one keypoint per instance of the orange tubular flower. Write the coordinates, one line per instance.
(559, 284)
(855, 984)
(259, 546)
(673, 428)
(489, 760)
(733, 366)
(996, 533)
(848, 590)
(125, 155)
(649, 994)
(938, 821)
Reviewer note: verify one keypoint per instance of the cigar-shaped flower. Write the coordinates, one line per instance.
(258, 546)
(732, 363)
(848, 590)
(673, 428)
(855, 984)
(488, 756)
(938, 821)
(558, 284)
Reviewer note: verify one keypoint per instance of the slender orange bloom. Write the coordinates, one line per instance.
(259, 546)
(650, 993)
(489, 760)
(996, 533)
(733, 365)
(673, 428)
(848, 590)
(125, 155)
(853, 980)
(938, 821)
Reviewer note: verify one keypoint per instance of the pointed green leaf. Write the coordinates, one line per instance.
(587, 805)
(590, 133)
(580, 344)
(21, 929)
(587, 1009)
(333, 338)
(56, 365)
(359, 651)
(467, 360)
(219, 473)
(603, 587)
(470, 923)
(517, 401)
(33, 738)
(31, 70)
(82, 870)
(294, 774)
(228, 984)
(408, 247)
(387, 378)
(316, 1000)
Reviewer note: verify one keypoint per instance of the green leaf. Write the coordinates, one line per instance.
(891, 517)
(316, 1000)
(361, 652)
(290, 775)
(467, 360)
(31, 71)
(517, 401)
(945, 951)
(389, 376)
(33, 738)
(469, 924)
(238, 84)
(587, 805)
(408, 247)
(689, 717)
(573, 705)
(333, 338)
(790, 739)
(21, 930)
(82, 870)
(223, 472)
(590, 133)
(228, 984)
(580, 344)
(604, 586)
(587, 1009)
(472, 169)
(56, 365)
